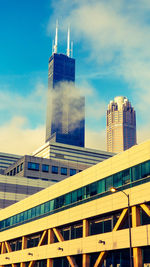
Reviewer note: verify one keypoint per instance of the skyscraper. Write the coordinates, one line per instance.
(121, 125)
(65, 109)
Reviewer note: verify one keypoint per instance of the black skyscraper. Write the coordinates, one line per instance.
(65, 110)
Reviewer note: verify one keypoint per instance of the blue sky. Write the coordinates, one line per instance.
(111, 47)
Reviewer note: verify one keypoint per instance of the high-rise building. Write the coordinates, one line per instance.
(121, 125)
(65, 109)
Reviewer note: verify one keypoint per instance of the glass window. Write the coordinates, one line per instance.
(29, 214)
(56, 203)
(17, 218)
(7, 222)
(93, 189)
(101, 186)
(10, 173)
(79, 194)
(74, 196)
(38, 210)
(109, 183)
(14, 219)
(33, 166)
(96, 227)
(52, 205)
(21, 167)
(61, 201)
(117, 179)
(46, 207)
(25, 215)
(72, 172)
(126, 176)
(136, 172)
(68, 199)
(54, 169)
(107, 226)
(17, 169)
(87, 188)
(63, 171)
(145, 169)
(22, 216)
(45, 168)
(33, 212)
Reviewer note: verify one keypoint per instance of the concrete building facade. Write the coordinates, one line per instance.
(71, 154)
(121, 125)
(44, 169)
(16, 188)
(79, 222)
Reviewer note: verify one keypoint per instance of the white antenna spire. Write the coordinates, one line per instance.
(52, 46)
(68, 42)
(71, 48)
(56, 38)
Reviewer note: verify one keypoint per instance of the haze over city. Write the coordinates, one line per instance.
(111, 48)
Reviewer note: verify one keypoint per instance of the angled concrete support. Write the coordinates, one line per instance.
(3, 248)
(121, 220)
(146, 209)
(43, 237)
(8, 248)
(61, 239)
(117, 226)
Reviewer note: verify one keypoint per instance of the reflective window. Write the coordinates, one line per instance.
(33, 166)
(21, 167)
(126, 176)
(14, 171)
(109, 183)
(45, 168)
(72, 172)
(117, 179)
(17, 169)
(145, 169)
(54, 169)
(136, 172)
(101, 186)
(63, 171)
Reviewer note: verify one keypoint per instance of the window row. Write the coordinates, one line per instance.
(16, 170)
(119, 179)
(44, 168)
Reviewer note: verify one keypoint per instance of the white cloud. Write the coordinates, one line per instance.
(31, 104)
(23, 116)
(95, 139)
(17, 138)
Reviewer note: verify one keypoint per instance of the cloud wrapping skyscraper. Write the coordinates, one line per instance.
(121, 125)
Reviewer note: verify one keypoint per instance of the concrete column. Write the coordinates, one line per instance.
(137, 252)
(50, 241)
(85, 257)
